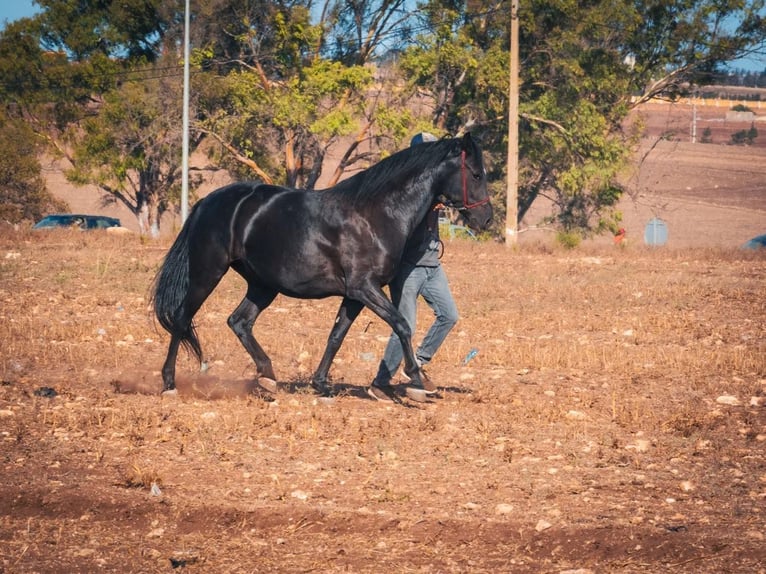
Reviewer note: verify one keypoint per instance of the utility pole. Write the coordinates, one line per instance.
(512, 206)
(694, 116)
(185, 144)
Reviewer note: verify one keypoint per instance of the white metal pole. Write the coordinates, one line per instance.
(185, 144)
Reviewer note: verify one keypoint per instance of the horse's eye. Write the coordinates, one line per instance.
(477, 176)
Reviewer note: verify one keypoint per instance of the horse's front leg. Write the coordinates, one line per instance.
(348, 312)
(375, 299)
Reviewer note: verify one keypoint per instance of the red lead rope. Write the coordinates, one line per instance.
(466, 203)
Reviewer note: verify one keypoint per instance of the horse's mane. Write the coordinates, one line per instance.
(395, 169)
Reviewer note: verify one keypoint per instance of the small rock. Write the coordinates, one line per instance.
(84, 552)
(755, 534)
(576, 416)
(641, 445)
(728, 400)
(757, 401)
(503, 508)
(542, 525)
(389, 455)
(686, 486)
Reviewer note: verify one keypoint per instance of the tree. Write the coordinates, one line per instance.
(40, 93)
(23, 195)
(745, 137)
(358, 30)
(281, 95)
(69, 71)
(585, 67)
(131, 149)
(276, 89)
(131, 30)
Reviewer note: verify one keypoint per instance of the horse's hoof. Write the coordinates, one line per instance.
(268, 384)
(322, 389)
(169, 393)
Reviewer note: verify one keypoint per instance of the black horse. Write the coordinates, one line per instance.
(345, 241)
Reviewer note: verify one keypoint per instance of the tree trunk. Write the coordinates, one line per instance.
(142, 213)
(291, 165)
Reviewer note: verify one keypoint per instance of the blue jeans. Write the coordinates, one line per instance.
(432, 284)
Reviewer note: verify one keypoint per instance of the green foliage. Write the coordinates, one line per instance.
(745, 137)
(584, 67)
(131, 29)
(568, 239)
(131, 148)
(101, 82)
(741, 108)
(23, 195)
(65, 76)
(316, 91)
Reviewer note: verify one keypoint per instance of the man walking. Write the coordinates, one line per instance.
(421, 273)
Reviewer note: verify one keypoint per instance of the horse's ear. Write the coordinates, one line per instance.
(467, 144)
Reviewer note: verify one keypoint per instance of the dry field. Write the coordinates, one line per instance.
(613, 420)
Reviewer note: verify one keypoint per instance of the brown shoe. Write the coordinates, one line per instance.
(382, 393)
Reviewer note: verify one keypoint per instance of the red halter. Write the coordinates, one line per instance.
(464, 170)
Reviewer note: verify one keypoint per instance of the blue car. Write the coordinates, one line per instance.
(76, 221)
(755, 243)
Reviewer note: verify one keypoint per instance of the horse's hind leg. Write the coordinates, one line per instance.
(183, 331)
(241, 322)
(169, 368)
(349, 310)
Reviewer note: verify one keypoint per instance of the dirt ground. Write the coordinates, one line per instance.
(612, 419)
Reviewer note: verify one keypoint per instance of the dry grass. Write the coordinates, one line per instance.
(586, 433)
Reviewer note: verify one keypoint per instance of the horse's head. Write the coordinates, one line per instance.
(465, 188)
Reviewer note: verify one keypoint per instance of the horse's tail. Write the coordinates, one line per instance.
(171, 284)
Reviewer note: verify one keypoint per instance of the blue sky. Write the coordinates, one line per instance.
(11, 10)
(14, 9)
